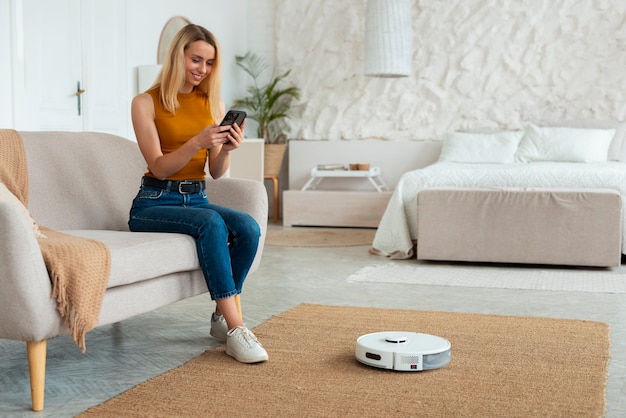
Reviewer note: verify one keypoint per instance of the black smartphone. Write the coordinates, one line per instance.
(233, 116)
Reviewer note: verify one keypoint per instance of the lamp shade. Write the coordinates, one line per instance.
(388, 38)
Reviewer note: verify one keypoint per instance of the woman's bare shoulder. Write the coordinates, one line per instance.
(142, 98)
(143, 102)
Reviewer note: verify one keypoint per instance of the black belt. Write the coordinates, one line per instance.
(182, 186)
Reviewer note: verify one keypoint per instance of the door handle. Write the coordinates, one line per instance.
(78, 93)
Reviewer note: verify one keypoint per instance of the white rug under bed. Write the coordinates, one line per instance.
(611, 280)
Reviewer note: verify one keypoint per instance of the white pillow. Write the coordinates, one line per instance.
(564, 144)
(8, 197)
(466, 147)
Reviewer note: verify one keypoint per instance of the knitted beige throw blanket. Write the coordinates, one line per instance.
(78, 267)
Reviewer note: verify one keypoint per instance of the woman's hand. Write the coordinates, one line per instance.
(219, 157)
(214, 136)
(211, 137)
(234, 137)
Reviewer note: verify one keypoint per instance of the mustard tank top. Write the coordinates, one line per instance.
(193, 114)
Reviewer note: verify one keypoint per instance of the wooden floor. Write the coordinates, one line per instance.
(122, 355)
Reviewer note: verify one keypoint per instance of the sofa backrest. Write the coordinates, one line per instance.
(82, 180)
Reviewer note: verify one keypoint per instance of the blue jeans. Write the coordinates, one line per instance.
(226, 239)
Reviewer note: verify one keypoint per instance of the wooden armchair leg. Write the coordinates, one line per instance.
(37, 370)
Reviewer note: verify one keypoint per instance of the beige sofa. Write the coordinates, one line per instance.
(83, 184)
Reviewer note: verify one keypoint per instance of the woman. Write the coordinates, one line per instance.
(175, 125)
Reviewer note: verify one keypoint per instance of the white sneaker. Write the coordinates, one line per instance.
(244, 347)
(219, 329)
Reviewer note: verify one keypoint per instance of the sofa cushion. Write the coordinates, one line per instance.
(82, 180)
(138, 256)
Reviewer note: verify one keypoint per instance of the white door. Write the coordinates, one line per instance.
(52, 68)
(104, 66)
(72, 63)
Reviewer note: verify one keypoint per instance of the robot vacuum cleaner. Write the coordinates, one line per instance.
(404, 351)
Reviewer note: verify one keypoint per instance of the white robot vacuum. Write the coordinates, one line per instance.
(404, 351)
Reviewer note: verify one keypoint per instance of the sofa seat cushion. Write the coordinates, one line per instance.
(138, 256)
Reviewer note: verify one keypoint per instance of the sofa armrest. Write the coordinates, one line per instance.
(245, 195)
(27, 311)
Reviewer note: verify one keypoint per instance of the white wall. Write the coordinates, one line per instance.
(476, 64)
(6, 74)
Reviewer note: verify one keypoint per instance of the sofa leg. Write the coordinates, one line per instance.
(238, 303)
(37, 369)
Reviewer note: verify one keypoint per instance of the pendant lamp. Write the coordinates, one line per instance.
(388, 38)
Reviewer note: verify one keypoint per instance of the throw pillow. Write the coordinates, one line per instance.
(466, 147)
(7, 197)
(564, 144)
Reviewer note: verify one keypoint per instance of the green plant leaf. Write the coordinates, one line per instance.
(267, 104)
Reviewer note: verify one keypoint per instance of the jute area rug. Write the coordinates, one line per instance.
(501, 366)
(611, 280)
(319, 237)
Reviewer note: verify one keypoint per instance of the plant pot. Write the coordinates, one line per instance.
(274, 155)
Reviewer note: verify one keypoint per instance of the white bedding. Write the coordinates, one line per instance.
(397, 230)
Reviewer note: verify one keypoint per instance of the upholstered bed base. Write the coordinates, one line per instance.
(520, 225)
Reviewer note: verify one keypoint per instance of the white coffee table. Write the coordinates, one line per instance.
(372, 175)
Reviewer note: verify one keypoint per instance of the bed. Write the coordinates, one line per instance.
(571, 155)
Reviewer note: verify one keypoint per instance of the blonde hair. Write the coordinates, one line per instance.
(172, 76)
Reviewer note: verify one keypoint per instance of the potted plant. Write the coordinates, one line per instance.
(268, 104)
